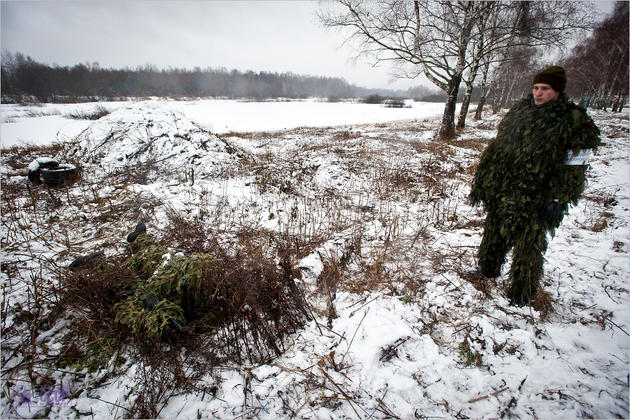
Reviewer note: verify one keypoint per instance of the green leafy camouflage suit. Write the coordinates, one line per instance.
(526, 187)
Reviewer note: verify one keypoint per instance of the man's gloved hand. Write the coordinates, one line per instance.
(551, 212)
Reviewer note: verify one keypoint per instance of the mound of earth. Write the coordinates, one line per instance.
(151, 146)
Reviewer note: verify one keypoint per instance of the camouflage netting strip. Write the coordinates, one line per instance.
(140, 318)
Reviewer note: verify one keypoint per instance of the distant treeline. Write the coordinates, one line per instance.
(22, 77)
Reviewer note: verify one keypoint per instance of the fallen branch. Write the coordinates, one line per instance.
(616, 325)
(383, 408)
(366, 303)
(492, 394)
(110, 403)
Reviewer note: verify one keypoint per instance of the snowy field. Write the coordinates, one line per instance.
(405, 331)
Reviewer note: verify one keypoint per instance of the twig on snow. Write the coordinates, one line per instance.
(616, 325)
(383, 408)
(492, 394)
(353, 335)
(366, 303)
(111, 403)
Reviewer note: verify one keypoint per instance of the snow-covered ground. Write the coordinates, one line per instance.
(406, 333)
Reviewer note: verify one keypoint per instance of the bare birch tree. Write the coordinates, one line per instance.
(432, 36)
(447, 41)
(522, 26)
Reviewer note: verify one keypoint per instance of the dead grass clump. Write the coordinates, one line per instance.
(271, 181)
(601, 223)
(476, 144)
(417, 127)
(285, 177)
(90, 293)
(393, 182)
(603, 198)
(327, 285)
(94, 288)
(346, 135)
(240, 135)
(479, 281)
(142, 173)
(259, 305)
(542, 304)
(471, 224)
(242, 310)
(617, 132)
(188, 236)
(439, 150)
(118, 206)
(12, 192)
(96, 113)
(370, 276)
(486, 125)
(402, 179)
(163, 370)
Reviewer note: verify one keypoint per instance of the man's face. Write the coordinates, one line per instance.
(544, 93)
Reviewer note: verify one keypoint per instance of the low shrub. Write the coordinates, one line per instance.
(98, 112)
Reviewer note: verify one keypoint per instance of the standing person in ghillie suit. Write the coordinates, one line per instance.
(527, 177)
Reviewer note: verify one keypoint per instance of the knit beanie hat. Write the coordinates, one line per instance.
(554, 76)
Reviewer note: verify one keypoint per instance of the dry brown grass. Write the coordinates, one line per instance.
(542, 304)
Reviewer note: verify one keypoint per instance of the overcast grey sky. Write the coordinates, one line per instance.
(258, 35)
(263, 35)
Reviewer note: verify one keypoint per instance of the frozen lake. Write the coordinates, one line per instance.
(48, 123)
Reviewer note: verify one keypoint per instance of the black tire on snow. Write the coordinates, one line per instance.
(55, 177)
(34, 174)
